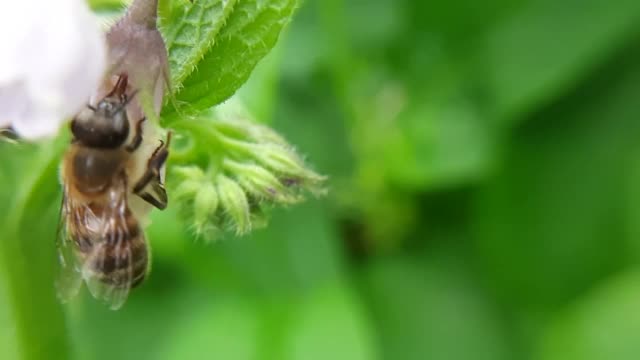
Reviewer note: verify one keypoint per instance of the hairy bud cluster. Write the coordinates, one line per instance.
(245, 169)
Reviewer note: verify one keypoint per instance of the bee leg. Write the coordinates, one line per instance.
(155, 163)
(158, 195)
(137, 137)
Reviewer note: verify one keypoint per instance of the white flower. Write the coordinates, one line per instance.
(53, 58)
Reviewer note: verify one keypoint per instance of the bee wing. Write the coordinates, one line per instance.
(113, 294)
(87, 260)
(69, 276)
(115, 247)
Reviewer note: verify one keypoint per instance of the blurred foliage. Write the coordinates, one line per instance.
(484, 163)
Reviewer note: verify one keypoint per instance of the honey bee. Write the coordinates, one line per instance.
(100, 238)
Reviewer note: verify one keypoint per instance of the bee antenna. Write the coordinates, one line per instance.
(91, 107)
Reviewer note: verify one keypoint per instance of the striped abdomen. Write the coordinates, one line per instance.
(110, 244)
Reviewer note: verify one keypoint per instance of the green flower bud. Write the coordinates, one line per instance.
(188, 172)
(260, 182)
(290, 168)
(249, 131)
(186, 190)
(234, 201)
(205, 205)
(279, 159)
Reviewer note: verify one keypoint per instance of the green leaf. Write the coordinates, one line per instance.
(432, 312)
(233, 337)
(8, 342)
(555, 213)
(189, 34)
(260, 92)
(330, 324)
(251, 31)
(296, 251)
(543, 50)
(439, 145)
(603, 325)
(165, 296)
(27, 251)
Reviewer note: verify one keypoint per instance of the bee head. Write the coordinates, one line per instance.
(104, 126)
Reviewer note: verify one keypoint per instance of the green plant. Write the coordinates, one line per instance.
(227, 168)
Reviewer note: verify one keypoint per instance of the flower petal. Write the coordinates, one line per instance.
(55, 59)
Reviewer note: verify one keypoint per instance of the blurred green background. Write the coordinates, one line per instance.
(484, 164)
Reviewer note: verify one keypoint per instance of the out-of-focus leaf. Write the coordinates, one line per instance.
(316, 127)
(182, 257)
(440, 145)
(552, 221)
(225, 330)
(457, 28)
(297, 251)
(157, 317)
(8, 336)
(250, 32)
(632, 188)
(432, 312)
(260, 93)
(601, 326)
(514, 55)
(325, 323)
(390, 17)
(299, 65)
(542, 50)
(28, 258)
(330, 324)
